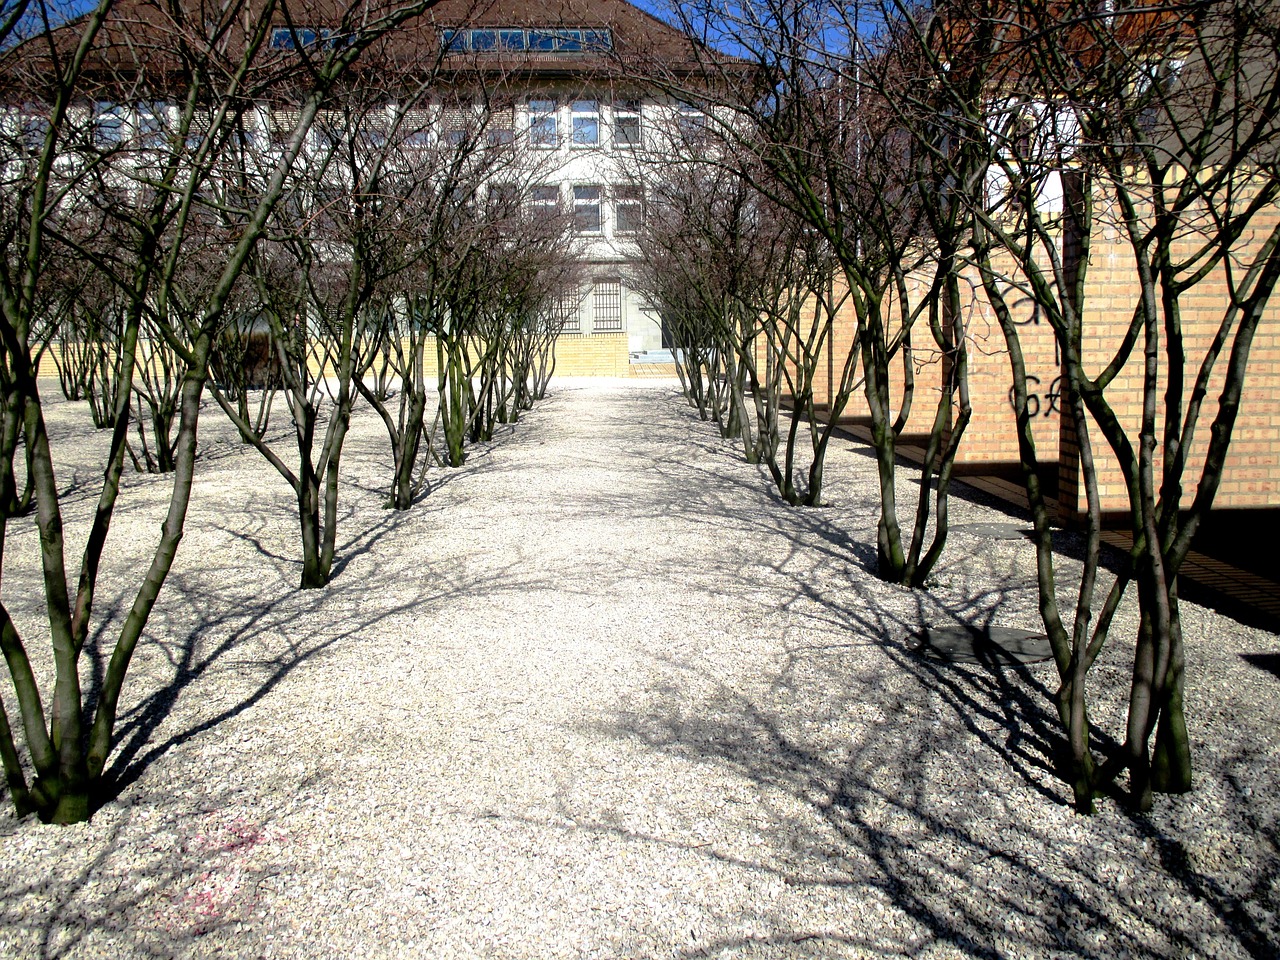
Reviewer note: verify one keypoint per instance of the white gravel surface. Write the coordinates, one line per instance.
(601, 695)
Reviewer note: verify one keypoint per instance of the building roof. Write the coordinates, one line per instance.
(145, 36)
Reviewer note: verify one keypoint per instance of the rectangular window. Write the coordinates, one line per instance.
(586, 209)
(511, 39)
(483, 40)
(543, 130)
(503, 199)
(606, 306)
(153, 124)
(108, 124)
(415, 129)
(568, 41)
(597, 39)
(34, 129)
(283, 38)
(201, 120)
(690, 121)
(373, 130)
(501, 129)
(626, 123)
(328, 129)
(546, 201)
(628, 208)
(282, 123)
(542, 41)
(456, 124)
(586, 123)
(330, 205)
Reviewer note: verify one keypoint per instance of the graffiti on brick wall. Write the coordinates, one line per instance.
(1042, 401)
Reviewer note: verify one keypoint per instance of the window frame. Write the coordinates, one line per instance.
(586, 203)
(110, 116)
(589, 118)
(606, 295)
(622, 201)
(539, 118)
(550, 201)
(627, 110)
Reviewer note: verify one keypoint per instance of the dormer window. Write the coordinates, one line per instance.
(533, 40)
(303, 38)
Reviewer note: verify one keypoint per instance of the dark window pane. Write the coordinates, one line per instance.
(542, 40)
(586, 209)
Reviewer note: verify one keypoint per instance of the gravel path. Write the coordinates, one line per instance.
(601, 695)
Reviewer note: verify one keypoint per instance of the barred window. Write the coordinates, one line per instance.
(606, 306)
(566, 312)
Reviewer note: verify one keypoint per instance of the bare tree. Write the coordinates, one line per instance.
(1163, 120)
(212, 63)
(807, 99)
(731, 269)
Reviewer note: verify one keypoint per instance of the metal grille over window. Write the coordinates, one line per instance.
(542, 124)
(586, 209)
(606, 306)
(586, 123)
(566, 312)
(626, 124)
(628, 208)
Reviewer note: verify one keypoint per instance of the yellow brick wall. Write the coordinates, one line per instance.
(1252, 471)
(592, 355)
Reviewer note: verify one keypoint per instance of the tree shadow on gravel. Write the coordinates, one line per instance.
(264, 637)
(189, 885)
(981, 854)
(970, 865)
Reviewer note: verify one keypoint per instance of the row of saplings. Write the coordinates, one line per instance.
(486, 374)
